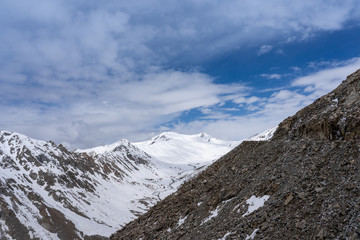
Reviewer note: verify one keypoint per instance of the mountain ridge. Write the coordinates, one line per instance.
(301, 184)
(49, 192)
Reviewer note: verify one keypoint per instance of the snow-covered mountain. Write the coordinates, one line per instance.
(48, 192)
(172, 147)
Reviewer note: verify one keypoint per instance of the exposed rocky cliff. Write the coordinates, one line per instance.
(302, 184)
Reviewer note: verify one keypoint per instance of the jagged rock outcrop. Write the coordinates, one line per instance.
(302, 184)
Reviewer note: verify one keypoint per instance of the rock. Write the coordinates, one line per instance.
(301, 195)
(288, 199)
(320, 234)
(354, 236)
(336, 206)
(349, 187)
(301, 224)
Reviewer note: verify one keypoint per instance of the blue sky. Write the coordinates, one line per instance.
(86, 73)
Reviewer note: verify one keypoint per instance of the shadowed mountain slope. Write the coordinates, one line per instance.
(302, 184)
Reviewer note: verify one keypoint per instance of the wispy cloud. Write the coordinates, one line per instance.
(264, 49)
(269, 111)
(89, 73)
(271, 76)
(118, 109)
(324, 81)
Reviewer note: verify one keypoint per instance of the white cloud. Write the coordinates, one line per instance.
(324, 81)
(248, 100)
(88, 73)
(123, 110)
(89, 37)
(271, 76)
(270, 111)
(264, 49)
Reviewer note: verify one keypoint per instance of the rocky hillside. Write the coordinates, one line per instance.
(48, 192)
(302, 184)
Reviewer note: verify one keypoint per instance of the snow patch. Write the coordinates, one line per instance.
(224, 237)
(213, 214)
(3, 230)
(252, 235)
(181, 221)
(255, 203)
(264, 136)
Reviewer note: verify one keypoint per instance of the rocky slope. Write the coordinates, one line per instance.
(48, 192)
(302, 184)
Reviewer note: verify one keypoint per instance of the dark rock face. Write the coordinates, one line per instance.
(309, 170)
(334, 116)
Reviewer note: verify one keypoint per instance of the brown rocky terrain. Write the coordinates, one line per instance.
(309, 172)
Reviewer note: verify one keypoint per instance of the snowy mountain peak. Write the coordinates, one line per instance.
(165, 136)
(13, 143)
(178, 148)
(15, 138)
(169, 136)
(205, 136)
(117, 146)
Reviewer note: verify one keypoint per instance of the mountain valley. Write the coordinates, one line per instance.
(49, 192)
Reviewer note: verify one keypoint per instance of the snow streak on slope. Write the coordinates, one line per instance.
(264, 136)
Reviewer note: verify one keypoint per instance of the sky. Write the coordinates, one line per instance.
(85, 73)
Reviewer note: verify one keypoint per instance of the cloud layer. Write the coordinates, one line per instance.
(88, 73)
(269, 111)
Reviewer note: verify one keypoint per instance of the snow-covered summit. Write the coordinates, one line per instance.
(120, 147)
(205, 136)
(16, 140)
(106, 148)
(18, 146)
(178, 148)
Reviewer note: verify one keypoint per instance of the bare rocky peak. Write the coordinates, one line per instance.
(302, 184)
(334, 116)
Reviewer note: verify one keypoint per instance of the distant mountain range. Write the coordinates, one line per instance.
(49, 192)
